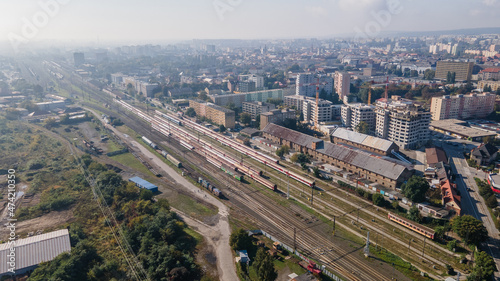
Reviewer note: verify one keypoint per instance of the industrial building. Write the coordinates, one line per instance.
(217, 114)
(458, 128)
(378, 169)
(462, 106)
(141, 183)
(32, 251)
(362, 141)
(462, 70)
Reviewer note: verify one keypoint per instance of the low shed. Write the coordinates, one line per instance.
(141, 183)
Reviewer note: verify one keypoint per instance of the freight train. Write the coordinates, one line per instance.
(215, 191)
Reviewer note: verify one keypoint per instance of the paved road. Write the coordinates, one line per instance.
(472, 203)
(218, 235)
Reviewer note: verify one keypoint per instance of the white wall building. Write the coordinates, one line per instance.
(307, 83)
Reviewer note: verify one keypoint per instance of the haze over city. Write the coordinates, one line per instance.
(156, 21)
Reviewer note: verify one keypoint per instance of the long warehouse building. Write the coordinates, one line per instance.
(385, 171)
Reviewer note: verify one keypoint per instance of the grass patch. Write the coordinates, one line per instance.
(129, 160)
(399, 264)
(191, 207)
(198, 237)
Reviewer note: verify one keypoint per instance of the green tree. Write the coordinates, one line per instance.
(415, 189)
(316, 172)
(429, 74)
(484, 266)
(190, 112)
(245, 118)
(487, 89)
(492, 202)
(378, 199)
(239, 240)
(295, 158)
(362, 127)
(264, 266)
(414, 215)
(452, 245)
(470, 229)
(222, 129)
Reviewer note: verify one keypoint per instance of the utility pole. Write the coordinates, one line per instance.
(312, 195)
(423, 249)
(333, 225)
(357, 219)
(367, 247)
(288, 189)
(409, 244)
(294, 239)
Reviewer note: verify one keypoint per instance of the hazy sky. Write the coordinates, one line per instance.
(143, 21)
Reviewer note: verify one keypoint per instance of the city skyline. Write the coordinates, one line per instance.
(131, 22)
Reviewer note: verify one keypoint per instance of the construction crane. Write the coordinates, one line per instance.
(316, 115)
(386, 94)
(369, 87)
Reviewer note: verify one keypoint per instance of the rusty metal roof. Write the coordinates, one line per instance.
(291, 135)
(36, 249)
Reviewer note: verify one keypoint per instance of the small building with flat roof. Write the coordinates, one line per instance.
(141, 183)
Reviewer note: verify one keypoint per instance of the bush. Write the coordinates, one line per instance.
(492, 202)
(452, 245)
(378, 199)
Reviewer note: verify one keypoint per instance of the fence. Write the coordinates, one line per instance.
(290, 249)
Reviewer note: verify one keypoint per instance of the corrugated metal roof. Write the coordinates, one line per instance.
(143, 183)
(389, 169)
(362, 139)
(36, 249)
(290, 135)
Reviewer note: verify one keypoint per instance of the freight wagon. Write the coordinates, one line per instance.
(174, 161)
(215, 191)
(150, 143)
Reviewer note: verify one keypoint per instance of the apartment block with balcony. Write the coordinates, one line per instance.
(462, 106)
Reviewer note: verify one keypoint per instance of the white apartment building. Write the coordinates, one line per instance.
(342, 84)
(402, 122)
(307, 83)
(462, 106)
(355, 113)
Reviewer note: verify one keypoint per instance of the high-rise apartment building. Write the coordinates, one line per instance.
(354, 113)
(307, 83)
(342, 84)
(402, 122)
(255, 108)
(462, 70)
(462, 106)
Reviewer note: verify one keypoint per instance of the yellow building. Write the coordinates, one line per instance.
(217, 114)
(462, 70)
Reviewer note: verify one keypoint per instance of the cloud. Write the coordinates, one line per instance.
(316, 10)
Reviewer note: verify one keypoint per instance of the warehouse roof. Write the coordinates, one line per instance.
(143, 183)
(290, 135)
(362, 139)
(457, 127)
(391, 169)
(36, 249)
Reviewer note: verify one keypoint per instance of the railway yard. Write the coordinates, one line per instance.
(319, 219)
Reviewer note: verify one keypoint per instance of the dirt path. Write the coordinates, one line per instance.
(217, 235)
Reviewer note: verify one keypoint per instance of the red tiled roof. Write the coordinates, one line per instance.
(494, 70)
